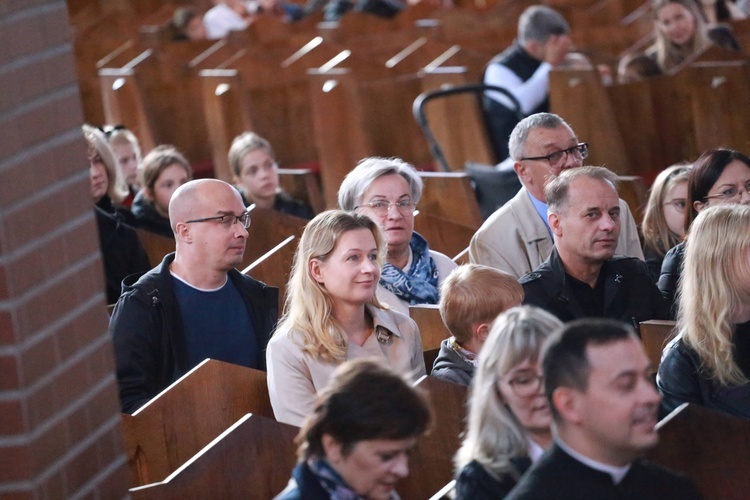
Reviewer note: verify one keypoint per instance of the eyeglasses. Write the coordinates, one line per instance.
(227, 220)
(526, 384)
(679, 204)
(731, 193)
(381, 208)
(579, 152)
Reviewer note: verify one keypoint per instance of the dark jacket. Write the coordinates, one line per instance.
(122, 252)
(671, 268)
(286, 204)
(149, 343)
(558, 476)
(475, 483)
(148, 218)
(450, 366)
(629, 293)
(303, 486)
(682, 380)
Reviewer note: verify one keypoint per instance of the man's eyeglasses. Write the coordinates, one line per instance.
(381, 208)
(579, 151)
(226, 220)
(731, 193)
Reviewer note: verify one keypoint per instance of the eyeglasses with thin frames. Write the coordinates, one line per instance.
(382, 207)
(580, 151)
(731, 193)
(526, 384)
(226, 220)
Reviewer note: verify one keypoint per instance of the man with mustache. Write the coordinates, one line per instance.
(604, 405)
(195, 304)
(582, 277)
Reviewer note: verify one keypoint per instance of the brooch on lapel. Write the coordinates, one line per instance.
(618, 278)
(383, 336)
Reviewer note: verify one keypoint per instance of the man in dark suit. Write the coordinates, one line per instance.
(604, 406)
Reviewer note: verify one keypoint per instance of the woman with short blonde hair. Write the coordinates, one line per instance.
(332, 314)
(709, 362)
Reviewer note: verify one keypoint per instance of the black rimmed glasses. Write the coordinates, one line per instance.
(381, 207)
(226, 220)
(731, 193)
(579, 151)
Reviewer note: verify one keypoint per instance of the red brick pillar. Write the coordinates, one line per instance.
(59, 414)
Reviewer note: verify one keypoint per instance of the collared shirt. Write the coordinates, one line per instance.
(617, 473)
(541, 209)
(535, 451)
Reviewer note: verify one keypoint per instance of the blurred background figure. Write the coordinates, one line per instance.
(355, 443)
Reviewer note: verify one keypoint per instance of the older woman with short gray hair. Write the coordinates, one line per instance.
(388, 190)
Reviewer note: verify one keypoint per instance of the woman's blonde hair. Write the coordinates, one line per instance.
(117, 190)
(669, 55)
(308, 307)
(656, 234)
(713, 288)
(493, 434)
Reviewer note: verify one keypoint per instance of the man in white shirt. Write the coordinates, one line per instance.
(225, 16)
(523, 70)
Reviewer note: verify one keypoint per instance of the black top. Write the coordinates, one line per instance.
(304, 485)
(624, 292)
(148, 218)
(475, 483)
(285, 204)
(122, 252)
(681, 378)
(558, 476)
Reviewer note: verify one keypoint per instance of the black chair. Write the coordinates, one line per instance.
(493, 187)
(418, 109)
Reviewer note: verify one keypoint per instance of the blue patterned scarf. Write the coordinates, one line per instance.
(333, 483)
(420, 285)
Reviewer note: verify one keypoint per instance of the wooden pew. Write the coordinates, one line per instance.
(264, 90)
(275, 267)
(252, 459)
(443, 235)
(430, 355)
(155, 245)
(632, 189)
(449, 195)
(710, 448)
(158, 95)
(655, 334)
(431, 462)
(267, 229)
(160, 436)
(431, 326)
(303, 184)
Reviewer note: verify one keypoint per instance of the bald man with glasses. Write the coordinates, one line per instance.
(517, 238)
(195, 304)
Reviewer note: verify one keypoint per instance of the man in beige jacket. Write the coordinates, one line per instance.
(516, 238)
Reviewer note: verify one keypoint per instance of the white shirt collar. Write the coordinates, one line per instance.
(535, 451)
(617, 473)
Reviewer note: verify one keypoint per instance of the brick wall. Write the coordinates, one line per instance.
(59, 419)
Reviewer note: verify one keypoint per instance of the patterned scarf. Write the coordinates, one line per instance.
(420, 285)
(333, 483)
